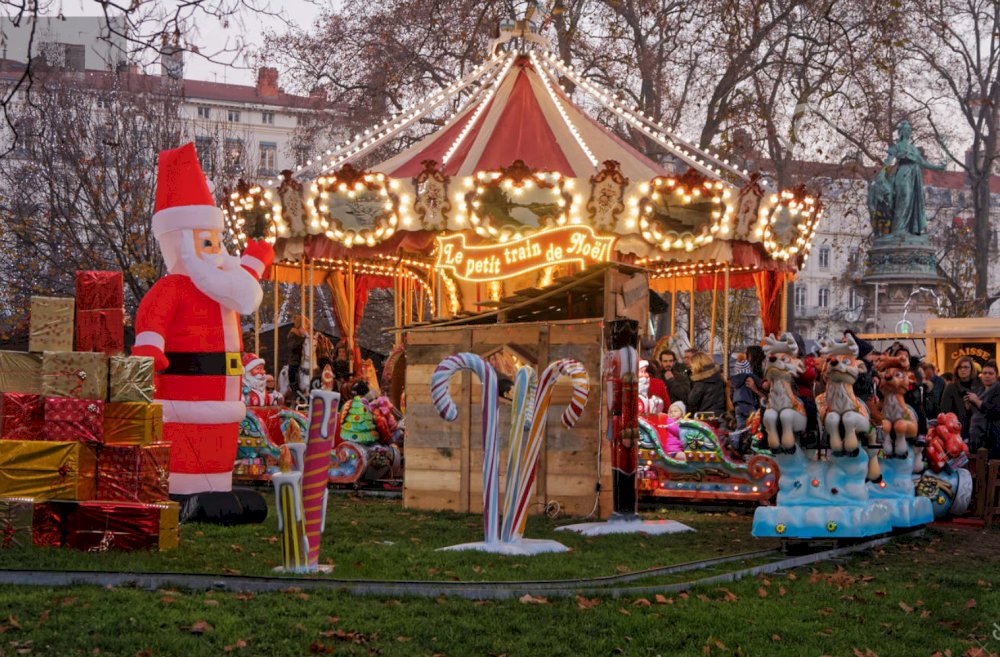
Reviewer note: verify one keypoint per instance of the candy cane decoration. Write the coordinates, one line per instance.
(322, 428)
(521, 413)
(491, 448)
(516, 515)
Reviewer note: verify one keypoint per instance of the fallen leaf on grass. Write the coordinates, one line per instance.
(302, 596)
(762, 592)
(642, 602)
(622, 568)
(12, 621)
(200, 627)
(867, 653)
(477, 569)
(728, 596)
(775, 637)
(404, 639)
(879, 594)
(317, 648)
(246, 596)
(332, 620)
(344, 635)
(978, 652)
(905, 607)
(240, 644)
(683, 595)
(528, 599)
(624, 611)
(826, 611)
(981, 583)
(781, 590)
(704, 598)
(970, 603)
(212, 603)
(586, 603)
(145, 652)
(792, 577)
(663, 600)
(925, 614)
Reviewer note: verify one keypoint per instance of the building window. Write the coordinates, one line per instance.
(801, 292)
(823, 300)
(234, 116)
(234, 155)
(204, 112)
(824, 257)
(301, 156)
(206, 154)
(268, 158)
(267, 118)
(103, 102)
(853, 300)
(302, 120)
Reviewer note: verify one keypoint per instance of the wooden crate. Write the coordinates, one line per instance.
(444, 459)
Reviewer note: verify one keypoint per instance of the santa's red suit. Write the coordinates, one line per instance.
(189, 323)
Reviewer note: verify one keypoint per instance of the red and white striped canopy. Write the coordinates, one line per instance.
(528, 118)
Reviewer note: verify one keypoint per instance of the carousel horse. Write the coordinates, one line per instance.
(842, 414)
(785, 415)
(899, 420)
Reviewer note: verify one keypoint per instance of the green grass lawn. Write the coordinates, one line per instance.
(917, 597)
(378, 539)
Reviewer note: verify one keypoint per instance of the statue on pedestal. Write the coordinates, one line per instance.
(896, 200)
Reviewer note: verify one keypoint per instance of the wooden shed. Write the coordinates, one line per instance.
(536, 326)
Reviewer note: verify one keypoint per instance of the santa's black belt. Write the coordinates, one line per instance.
(196, 363)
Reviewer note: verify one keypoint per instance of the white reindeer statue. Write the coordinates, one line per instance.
(785, 415)
(843, 415)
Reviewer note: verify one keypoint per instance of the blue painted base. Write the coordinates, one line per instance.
(822, 499)
(897, 492)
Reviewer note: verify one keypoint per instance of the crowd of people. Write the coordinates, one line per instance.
(971, 391)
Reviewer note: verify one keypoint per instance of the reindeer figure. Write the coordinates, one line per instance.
(841, 413)
(785, 415)
(899, 420)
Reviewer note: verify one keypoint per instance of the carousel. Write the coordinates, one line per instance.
(520, 208)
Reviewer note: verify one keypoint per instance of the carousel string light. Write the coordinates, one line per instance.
(490, 92)
(562, 111)
(642, 122)
(372, 137)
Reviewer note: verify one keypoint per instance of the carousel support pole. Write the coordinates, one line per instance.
(302, 287)
(691, 313)
(715, 296)
(256, 330)
(784, 303)
(673, 305)
(274, 329)
(725, 324)
(312, 319)
(395, 307)
(349, 320)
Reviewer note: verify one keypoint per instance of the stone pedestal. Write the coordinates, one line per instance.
(899, 265)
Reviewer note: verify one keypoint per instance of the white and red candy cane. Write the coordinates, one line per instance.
(515, 516)
(491, 446)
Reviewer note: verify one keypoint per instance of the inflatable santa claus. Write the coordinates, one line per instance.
(255, 383)
(189, 323)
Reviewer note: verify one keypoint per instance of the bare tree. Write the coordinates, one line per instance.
(80, 191)
(142, 29)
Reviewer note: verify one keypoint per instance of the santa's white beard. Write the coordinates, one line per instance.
(219, 276)
(256, 383)
(644, 386)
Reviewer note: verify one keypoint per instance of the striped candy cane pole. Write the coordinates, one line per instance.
(543, 397)
(323, 418)
(491, 447)
(522, 410)
(291, 527)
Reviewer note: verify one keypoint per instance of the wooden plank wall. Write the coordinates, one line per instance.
(444, 459)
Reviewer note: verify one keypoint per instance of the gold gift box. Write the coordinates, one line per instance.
(131, 379)
(47, 470)
(51, 324)
(170, 534)
(20, 372)
(133, 423)
(75, 374)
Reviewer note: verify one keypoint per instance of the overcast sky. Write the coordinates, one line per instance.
(245, 29)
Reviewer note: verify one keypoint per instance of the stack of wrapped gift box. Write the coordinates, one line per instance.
(82, 458)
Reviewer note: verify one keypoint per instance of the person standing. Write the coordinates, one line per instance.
(296, 341)
(985, 406)
(708, 390)
(675, 377)
(745, 386)
(953, 397)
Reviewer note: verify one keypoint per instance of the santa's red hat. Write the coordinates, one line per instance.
(250, 361)
(183, 199)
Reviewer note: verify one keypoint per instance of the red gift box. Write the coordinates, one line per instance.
(134, 473)
(101, 330)
(22, 416)
(48, 525)
(102, 526)
(78, 420)
(99, 290)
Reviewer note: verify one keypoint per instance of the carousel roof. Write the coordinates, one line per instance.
(528, 118)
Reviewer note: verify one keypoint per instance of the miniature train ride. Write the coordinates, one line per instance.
(775, 464)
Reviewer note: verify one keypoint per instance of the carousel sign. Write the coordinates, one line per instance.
(578, 245)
